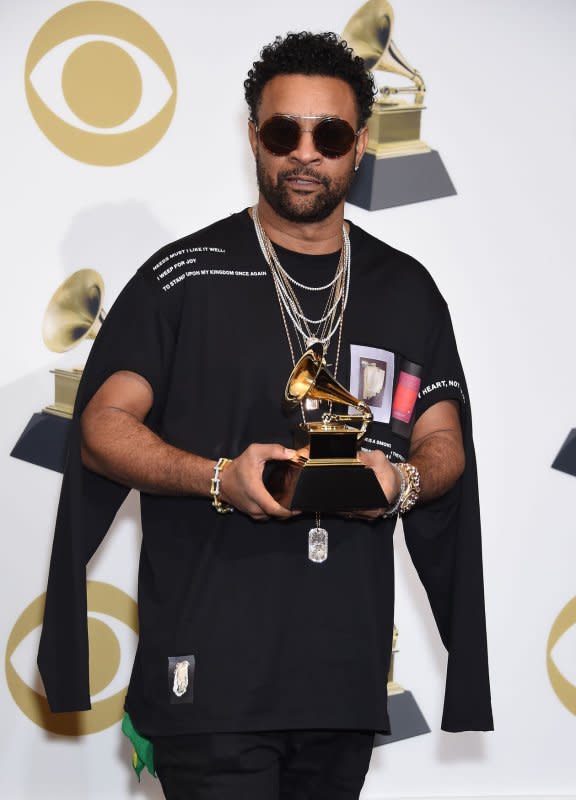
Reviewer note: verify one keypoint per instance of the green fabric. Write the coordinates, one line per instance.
(143, 754)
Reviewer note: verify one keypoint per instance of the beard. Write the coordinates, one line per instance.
(314, 208)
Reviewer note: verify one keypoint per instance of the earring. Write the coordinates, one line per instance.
(356, 167)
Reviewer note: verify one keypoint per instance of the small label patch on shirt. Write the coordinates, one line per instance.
(181, 678)
(372, 378)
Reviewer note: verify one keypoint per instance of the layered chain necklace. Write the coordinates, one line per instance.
(330, 322)
(284, 283)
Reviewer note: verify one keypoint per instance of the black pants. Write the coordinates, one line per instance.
(269, 765)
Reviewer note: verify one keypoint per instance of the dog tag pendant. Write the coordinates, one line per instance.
(318, 544)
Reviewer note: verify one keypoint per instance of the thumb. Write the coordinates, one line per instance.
(275, 452)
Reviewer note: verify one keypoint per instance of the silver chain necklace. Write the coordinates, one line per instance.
(329, 322)
(317, 536)
(292, 280)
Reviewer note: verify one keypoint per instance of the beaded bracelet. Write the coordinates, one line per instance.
(219, 505)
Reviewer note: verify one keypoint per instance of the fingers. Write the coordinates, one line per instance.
(265, 504)
(368, 514)
(270, 452)
(373, 458)
(387, 476)
(371, 514)
(242, 482)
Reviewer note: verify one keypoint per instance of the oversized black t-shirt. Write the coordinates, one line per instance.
(268, 639)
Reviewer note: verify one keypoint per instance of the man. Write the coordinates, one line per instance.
(265, 634)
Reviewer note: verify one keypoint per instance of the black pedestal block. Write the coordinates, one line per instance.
(565, 461)
(399, 181)
(406, 719)
(44, 442)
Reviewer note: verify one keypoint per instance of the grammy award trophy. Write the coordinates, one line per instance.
(398, 168)
(73, 314)
(326, 474)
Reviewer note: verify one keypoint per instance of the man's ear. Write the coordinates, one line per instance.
(252, 137)
(361, 142)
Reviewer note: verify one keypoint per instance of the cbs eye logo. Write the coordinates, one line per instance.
(105, 72)
(564, 688)
(112, 620)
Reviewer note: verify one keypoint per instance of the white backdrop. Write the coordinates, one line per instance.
(501, 111)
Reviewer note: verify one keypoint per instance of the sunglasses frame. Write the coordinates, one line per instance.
(295, 117)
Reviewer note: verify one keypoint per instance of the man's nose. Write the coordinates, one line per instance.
(306, 151)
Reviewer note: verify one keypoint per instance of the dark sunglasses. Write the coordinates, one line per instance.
(333, 137)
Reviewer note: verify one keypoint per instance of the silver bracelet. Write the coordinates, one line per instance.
(393, 510)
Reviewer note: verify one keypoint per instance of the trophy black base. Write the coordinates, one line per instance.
(406, 720)
(399, 181)
(44, 442)
(327, 488)
(565, 461)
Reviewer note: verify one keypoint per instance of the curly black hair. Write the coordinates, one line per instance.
(308, 53)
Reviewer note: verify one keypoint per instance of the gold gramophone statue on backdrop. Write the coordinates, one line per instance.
(73, 314)
(406, 718)
(326, 474)
(393, 686)
(398, 167)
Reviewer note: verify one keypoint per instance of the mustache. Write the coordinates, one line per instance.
(305, 172)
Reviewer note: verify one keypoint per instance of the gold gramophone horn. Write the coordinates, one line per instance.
(369, 34)
(311, 379)
(75, 311)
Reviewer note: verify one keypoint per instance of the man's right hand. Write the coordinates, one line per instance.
(118, 445)
(241, 483)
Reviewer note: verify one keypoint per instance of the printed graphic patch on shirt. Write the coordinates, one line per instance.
(372, 379)
(181, 678)
(405, 396)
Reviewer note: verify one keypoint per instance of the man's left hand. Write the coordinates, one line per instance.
(388, 479)
(436, 450)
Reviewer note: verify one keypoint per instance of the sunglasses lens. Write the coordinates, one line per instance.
(280, 135)
(334, 137)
